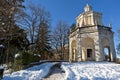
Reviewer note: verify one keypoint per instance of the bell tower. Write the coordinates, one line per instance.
(89, 17)
(87, 8)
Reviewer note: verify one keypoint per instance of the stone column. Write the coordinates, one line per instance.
(98, 49)
(112, 49)
(70, 50)
(79, 51)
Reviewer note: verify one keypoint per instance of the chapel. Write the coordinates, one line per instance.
(89, 39)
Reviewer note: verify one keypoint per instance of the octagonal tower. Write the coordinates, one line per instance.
(90, 38)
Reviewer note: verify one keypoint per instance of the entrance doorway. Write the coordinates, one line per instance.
(88, 49)
(89, 53)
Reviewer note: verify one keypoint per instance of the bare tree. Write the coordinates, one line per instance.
(60, 38)
(30, 20)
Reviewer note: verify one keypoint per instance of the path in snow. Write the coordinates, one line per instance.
(56, 73)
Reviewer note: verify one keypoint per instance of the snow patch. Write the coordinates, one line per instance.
(1, 67)
(2, 46)
(17, 55)
(33, 73)
(92, 71)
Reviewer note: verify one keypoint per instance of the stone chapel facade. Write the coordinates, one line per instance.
(90, 37)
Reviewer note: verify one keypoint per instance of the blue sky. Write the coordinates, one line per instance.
(68, 10)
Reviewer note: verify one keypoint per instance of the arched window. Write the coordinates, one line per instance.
(106, 54)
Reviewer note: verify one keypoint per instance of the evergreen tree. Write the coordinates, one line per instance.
(8, 9)
(73, 26)
(43, 40)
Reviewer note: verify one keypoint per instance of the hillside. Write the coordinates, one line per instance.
(92, 71)
(69, 71)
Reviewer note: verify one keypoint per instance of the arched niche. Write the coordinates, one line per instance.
(88, 49)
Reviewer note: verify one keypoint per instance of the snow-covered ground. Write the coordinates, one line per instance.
(73, 71)
(92, 71)
(1, 67)
(33, 73)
